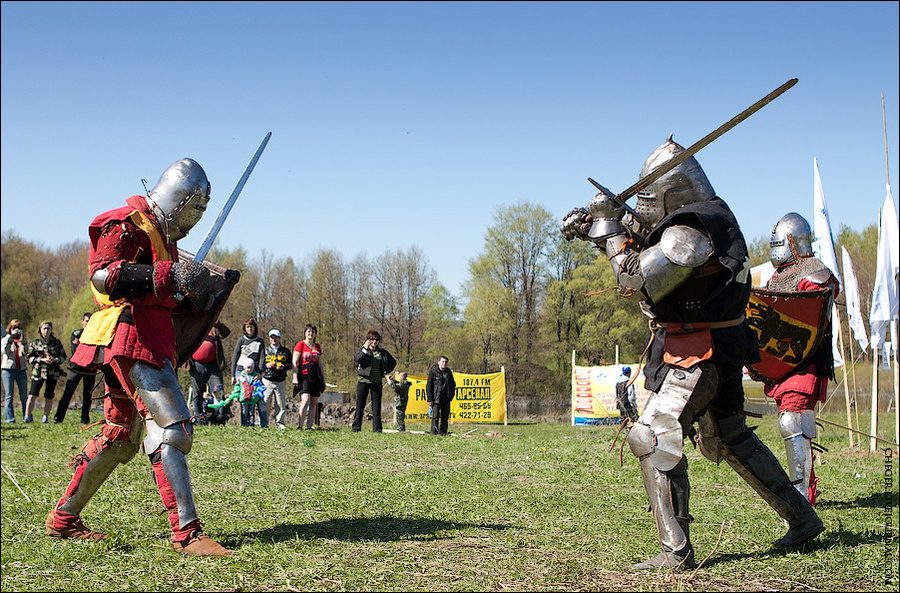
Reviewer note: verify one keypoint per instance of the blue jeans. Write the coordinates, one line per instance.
(12, 377)
(248, 414)
(263, 414)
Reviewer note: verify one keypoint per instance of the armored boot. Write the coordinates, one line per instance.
(170, 436)
(173, 480)
(756, 464)
(668, 493)
(94, 465)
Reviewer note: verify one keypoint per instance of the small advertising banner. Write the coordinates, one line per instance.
(479, 398)
(594, 393)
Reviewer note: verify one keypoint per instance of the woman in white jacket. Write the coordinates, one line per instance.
(15, 368)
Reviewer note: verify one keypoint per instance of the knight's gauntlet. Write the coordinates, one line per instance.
(576, 224)
(189, 278)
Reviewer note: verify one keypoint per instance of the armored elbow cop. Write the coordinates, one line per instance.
(666, 265)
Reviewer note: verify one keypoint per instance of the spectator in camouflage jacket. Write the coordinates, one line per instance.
(401, 387)
(45, 354)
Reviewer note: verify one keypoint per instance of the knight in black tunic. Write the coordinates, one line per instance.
(683, 257)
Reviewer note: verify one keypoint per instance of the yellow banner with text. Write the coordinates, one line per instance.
(479, 398)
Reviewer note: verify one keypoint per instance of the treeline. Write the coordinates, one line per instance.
(531, 298)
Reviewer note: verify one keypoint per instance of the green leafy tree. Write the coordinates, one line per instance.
(595, 320)
(490, 316)
(759, 250)
(512, 272)
(446, 334)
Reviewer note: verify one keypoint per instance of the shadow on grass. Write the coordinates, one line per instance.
(383, 529)
(831, 538)
(13, 431)
(876, 500)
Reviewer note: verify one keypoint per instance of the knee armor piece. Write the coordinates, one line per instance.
(161, 393)
(710, 444)
(794, 424)
(658, 432)
(180, 436)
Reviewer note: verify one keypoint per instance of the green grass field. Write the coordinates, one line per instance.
(523, 507)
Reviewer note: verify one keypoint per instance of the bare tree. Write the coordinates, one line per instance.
(401, 282)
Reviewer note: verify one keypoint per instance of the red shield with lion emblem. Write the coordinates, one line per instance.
(789, 327)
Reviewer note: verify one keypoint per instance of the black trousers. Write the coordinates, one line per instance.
(88, 379)
(440, 417)
(206, 380)
(362, 392)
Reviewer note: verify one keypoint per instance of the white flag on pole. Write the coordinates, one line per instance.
(851, 293)
(884, 294)
(823, 248)
(824, 244)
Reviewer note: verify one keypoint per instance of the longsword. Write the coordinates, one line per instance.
(226, 209)
(667, 166)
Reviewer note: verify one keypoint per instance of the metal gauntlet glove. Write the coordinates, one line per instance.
(576, 223)
(189, 279)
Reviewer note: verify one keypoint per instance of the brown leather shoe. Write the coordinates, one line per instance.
(200, 544)
(72, 530)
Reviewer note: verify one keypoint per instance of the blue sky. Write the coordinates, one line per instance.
(400, 124)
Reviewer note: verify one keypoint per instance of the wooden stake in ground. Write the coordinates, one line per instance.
(840, 329)
(874, 424)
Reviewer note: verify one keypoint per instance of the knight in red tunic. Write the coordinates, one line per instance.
(796, 269)
(138, 280)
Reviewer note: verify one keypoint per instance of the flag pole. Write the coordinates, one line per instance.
(825, 252)
(854, 314)
(874, 421)
(846, 386)
(894, 336)
(887, 169)
(572, 388)
(855, 388)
